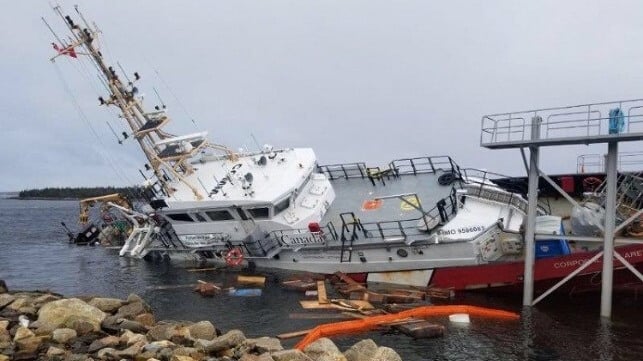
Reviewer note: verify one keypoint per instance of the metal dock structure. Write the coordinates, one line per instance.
(608, 122)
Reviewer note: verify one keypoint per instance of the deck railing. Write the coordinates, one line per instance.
(597, 119)
(595, 163)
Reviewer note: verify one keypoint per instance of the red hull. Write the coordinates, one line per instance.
(547, 272)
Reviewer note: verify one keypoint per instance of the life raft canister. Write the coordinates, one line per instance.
(234, 257)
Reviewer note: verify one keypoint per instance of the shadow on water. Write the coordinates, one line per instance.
(35, 255)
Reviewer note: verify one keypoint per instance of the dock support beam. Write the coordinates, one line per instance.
(608, 240)
(530, 231)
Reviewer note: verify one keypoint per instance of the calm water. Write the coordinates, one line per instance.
(34, 255)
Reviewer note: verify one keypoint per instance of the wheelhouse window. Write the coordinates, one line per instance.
(219, 215)
(259, 213)
(199, 217)
(282, 206)
(181, 217)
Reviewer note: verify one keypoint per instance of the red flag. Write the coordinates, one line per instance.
(66, 51)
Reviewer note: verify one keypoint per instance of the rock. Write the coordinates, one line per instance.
(107, 354)
(43, 329)
(130, 352)
(5, 299)
(146, 319)
(160, 332)
(157, 345)
(130, 311)
(290, 355)
(324, 350)
(4, 357)
(58, 312)
(41, 300)
(264, 344)
(22, 332)
(4, 325)
(17, 304)
(82, 326)
(181, 358)
(188, 351)
(228, 340)
(109, 305)
(64, 335)
(55, 353)
(29, 344)
(3, 287)
(105, 342)
(164, 354)
(202, 330)
(28, 310)
(111, 324)
(361, 351)
(129, 338)
(133, 326)
(265, 357)
(145, 355)
(386, 354)
(180, 335)
(78, 357)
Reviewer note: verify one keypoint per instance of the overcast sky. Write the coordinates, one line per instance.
(367, 80)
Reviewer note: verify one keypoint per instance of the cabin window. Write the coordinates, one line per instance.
(199, 217)
(282, 206)
(259, 213)
(242, 214)
(182, 217)
(219, 215)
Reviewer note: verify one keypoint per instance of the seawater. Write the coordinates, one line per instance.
(34, 254)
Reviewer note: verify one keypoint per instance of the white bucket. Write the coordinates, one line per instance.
(459, 318)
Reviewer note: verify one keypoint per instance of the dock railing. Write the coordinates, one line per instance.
(595, 163)
(594, 122)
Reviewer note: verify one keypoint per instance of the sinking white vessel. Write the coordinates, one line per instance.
(277, 208)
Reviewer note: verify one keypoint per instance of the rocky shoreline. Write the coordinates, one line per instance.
(41, 325)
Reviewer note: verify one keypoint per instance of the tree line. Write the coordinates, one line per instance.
(78, 192)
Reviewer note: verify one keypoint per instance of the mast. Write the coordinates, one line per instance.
(167, 156)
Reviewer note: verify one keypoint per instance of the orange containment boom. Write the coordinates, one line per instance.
(369, 323)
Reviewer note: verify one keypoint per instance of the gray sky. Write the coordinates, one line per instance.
(367, 80)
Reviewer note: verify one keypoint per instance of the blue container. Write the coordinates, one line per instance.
(551, 248)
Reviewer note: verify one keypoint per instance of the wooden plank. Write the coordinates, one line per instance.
(251, 280)
(321, 292)
(203, 269)
(288, 335)
(316, 316)
(354, 284)
(351, 305)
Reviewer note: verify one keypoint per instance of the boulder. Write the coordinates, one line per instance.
(4, 325)
(131, 310)
(29, 344)
(146, 319)
(22, 332)
(55, 353)
(4, 358)
(324, 350)
(290, 355)
(81, 325)
(137, 327)
(28, 311)
(130, 352)
(19, 303)
(105, 342)
(226, 341)
(188, 351)
(181, 358)
(202, 330)
(264, 344)
(129, 338)
(107, 354)
(64, 335)
(160, 332)
(386, 354)
(361, 351)
(109, 305)
(59, 312)
(157, 345)
(46, 298)
(3, 287)
(5, 299)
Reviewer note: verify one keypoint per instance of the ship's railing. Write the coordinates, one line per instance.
(429, 164)
(618, 117)
(595, 163)
(344, 170)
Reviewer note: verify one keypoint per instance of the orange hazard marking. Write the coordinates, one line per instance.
(371, 204)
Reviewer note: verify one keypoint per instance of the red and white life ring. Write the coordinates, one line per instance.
(234, 257)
